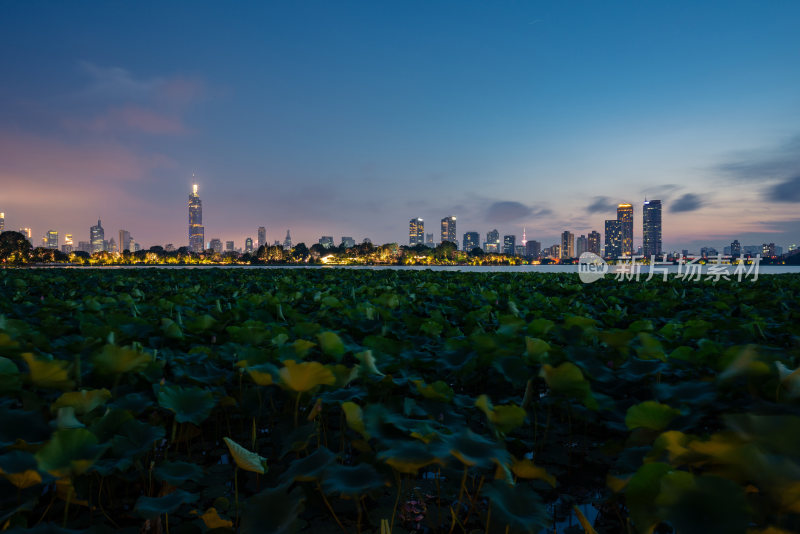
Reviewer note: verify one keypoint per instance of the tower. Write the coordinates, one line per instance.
(449, 230)
(262, 237)
(625, 218)
(416, 232)
(196, 230)
(651, 228)
(524, 237)
(613, 238)
(96, 237)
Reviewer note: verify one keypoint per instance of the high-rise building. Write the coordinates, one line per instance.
(2, 221)
(492, 241)
(67, 247)
(471, 240)
(613, 239)
(567, 244)
(27, 232)
(449, 230)
(229, 246)
(768, 250)
(736, 248)
(593, 242)
(651, 228)
(533, 248)
(248, 245)
(262, 237)
(416, 232)
(348, 242)
(112, 245)
(519, 250)
(509, 242)
(125, 241)
(216, 245)
(52, 239)
(196, 230)
(96, 237)
(287, 242)
(625, 218)
(581, 245)
(429, 241)
(326, 241)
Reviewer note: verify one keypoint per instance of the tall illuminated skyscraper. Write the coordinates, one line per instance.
(613, 239)
(593, 242)
(449, 230)
(651, 228)
(2, 221)
(416, 232)
(52, 239)
(287, 242)
(196, 230)
(567, 244)
(471, 240)
(248, 245)
(509, 243)
(625, 218)
(96, 237)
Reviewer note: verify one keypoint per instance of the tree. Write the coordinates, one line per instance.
(300, 251)
(445, 250)
(14, 248)
(476, 252)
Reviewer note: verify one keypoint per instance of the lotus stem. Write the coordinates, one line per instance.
(397, 500)
(330, 508)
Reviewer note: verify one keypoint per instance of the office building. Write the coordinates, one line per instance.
(2, 221)
(216, 245)
(533, 248)
(492, 243)
(112, 246)
(736, 248)
(196, 230)
(287, 242)
(625, 218)
(567, 244)
(326, 241)
(229, 246)
(581, 245)
(593, 242)
(348, 242)
(125, 241)
(509, 242)
(429, 241)
(248, 245)
(449, 230)
(51, 241)
(67, 247)
(768, 250)
(262, 237)
(519, 250)
(85, 246)
(416, 232)
(613, 244)
(651, 228)
(96, 237)
(471, 240)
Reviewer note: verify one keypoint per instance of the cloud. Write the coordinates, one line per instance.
(687, 202)
(786, 191)
(661, 192)
(509, 211)
(119, 84)
(771, 163)
(601, 204)
(129, 118)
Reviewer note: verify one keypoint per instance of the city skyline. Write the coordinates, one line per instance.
(569, 110)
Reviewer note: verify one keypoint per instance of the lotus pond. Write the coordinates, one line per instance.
(396, 401)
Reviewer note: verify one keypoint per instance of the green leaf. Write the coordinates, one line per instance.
(351, 481)
(152, 507)
(641, 493)
(247, 460)
(83, 401)
(191, 405)
(311, 467)
(9, 376)
(176, 473)
(355, 418)
(474, 450)
(117, 360)
(518, 507)
(304, 376)
(438, 390)
(536, 349)
(48, 373)
(567, 379)
(273, 511)
(650, 414)
(505, 418)
(331, 344)
(69, 452)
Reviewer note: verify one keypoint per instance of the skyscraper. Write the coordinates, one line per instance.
(625, 218)
(112, 245)
(248, 245)
(429, 241)
(736, 248)
(416, 232)
(567, 244)
(229, 246)
(348, 242)
(581, 245)
(593, 242)
(326, 241)
(52, 239)
(287, 242)
(216, 245)
(96, 237)
(533, 248)
(262, 237)
(492, 241)
(197, 234)
(509, 242)
(613, 239)
(2, 221)
(66, 248)
(471, 240)
(449, 230)
(651, 228)
(125, 241)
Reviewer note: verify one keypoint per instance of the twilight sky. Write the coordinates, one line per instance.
(350, 118)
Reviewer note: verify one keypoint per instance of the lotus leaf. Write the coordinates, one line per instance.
(190, 404)
(247, 460)
(152, 507)
(305, 376)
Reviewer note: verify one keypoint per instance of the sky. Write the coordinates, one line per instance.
(351, 118)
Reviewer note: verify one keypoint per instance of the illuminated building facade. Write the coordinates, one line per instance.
(287, 242)
(736, 248)
(567, 244)
(416, 232)
(651, 228)
(449, 230)
(509, 242)
(196, 231)
(96, 237)
(326, 241)
(492, 243)
(613, 239)
(471, 240)
(2, 221)
(348, 242)
(67, 247)
(52, 239)
(593, 244)
(248, 245)
(625, 218)
(216, 245)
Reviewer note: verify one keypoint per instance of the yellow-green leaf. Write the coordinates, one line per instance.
(212, 520)
(355, 418)
(305, 376)
(83, 401)
(247, 460)
(528, 470)
(48, 373)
